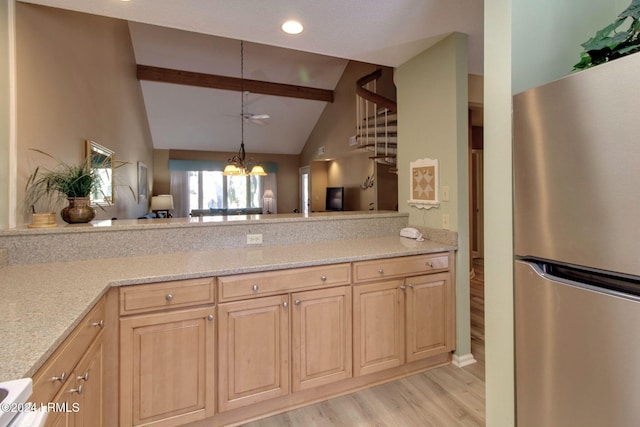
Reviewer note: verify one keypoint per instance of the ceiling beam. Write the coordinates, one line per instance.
(190, 78)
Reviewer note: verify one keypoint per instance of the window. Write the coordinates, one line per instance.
(212, 190)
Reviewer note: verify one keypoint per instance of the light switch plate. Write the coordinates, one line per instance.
(254, 239)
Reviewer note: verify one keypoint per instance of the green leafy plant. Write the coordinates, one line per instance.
(49, 186)
(612, 42)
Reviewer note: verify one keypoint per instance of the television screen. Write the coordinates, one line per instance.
(335, 199)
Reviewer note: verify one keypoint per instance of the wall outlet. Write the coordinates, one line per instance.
(320, 151)
(445, 221)
(254, 239)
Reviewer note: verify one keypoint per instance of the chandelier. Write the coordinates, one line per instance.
(239, 164)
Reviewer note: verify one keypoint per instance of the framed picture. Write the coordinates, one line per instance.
(143, 186)
(424, 183)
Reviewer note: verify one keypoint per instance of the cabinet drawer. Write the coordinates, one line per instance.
(50, 378)
(401, 266)
(275, 282)
(166, 295)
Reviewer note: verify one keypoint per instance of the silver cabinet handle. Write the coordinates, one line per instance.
(76, 390)
(430, 264)
(84, 377)
(61, 378)
(255, 288)
(411, 285)
(210, 317)
(323, 278)
(403, 287)
(99, 324)
(169, 297)
(297, 302)
(285, 304)
(381, 271)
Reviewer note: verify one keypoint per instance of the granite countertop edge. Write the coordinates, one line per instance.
(43, 303)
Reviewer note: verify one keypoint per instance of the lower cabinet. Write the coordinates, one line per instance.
(402, 320)
(254, 347)
(167, 367)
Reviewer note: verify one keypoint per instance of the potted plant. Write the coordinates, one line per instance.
(75, 182)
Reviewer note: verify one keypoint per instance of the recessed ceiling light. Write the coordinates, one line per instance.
(292, 27)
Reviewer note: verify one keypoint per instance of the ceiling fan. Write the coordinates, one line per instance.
(258, 119)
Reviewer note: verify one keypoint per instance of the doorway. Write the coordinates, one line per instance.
(305, 189)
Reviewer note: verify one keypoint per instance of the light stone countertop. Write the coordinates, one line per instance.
(42, 303)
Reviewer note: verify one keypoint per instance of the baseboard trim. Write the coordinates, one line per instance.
(462, 361)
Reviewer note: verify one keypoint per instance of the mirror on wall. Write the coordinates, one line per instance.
(101, 161)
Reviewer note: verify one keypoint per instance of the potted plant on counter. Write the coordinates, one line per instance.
(75, 182)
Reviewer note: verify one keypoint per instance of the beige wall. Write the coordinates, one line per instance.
(76, 80)
(287, 176)
(347, 167)
(5, 27)
(433, 123)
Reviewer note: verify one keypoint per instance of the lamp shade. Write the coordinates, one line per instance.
(258, 170)
(163, 202)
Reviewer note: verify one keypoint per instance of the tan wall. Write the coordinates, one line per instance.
(347, 167)
(4, 113)
(287, 176)
(76, 80)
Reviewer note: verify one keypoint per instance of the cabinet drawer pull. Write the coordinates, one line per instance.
(285, 304)
(76, 390)
(99, 324)
(255, 288)
(84, 377)
(403, 287)
(430, 264)
(297, 302)
(60, 378)
(381, 271)
(411, 285)
(169, 297)
(210, 317)
(323, 278)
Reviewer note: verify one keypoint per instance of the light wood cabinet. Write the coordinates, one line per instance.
(402, 320)
(321, 337)
(253, 351)
(430, 316)
(378, 338)
(71, 379)
(167, 375)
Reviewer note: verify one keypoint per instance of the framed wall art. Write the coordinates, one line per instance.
(424, 183)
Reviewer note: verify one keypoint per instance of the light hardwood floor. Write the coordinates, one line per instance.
(442, 397)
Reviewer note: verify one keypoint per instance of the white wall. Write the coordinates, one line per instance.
(433, 106)
(526, 44)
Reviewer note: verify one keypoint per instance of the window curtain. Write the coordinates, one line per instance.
(180, 191)
(270, 183)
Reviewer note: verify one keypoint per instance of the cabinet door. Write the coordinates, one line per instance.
(88, 388)
(429, 306)
(321, 337)
(167, 367)
(378, 326)
(253, 358)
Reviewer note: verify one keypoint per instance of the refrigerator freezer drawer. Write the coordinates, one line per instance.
(577, 354)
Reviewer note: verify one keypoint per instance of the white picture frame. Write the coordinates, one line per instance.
(424, 184)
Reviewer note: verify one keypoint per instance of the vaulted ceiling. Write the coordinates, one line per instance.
(203, 36)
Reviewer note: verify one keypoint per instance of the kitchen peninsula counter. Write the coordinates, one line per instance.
(43, 302)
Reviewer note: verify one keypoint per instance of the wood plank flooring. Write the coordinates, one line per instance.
(442, 397)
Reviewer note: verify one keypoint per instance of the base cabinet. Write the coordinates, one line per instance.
(167, 367)
(253, 355)
(405, 319)
(321, 337)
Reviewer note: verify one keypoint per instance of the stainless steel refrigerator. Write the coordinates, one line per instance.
(577, 245)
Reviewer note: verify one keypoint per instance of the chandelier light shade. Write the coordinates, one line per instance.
(239, 165)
